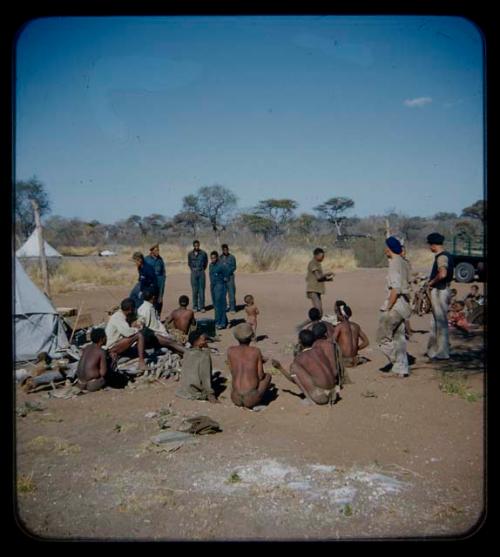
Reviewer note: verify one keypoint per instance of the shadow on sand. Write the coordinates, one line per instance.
(219, 383)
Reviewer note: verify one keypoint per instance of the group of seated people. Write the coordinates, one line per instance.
(129, 333)
(317, 369)
(461, 310)
(322, 353)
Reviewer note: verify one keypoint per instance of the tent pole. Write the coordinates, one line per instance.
(41, 247)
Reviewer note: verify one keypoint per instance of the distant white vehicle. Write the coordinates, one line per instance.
(106, 253)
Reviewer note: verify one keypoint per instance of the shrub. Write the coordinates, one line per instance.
(369, 252)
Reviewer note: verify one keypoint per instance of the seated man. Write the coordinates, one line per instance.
(196, 374)
(331, 351)
(123, 334)
(472, 300)
(312, 372)
(350, 336)
(247, 370)
(315, 317)
(155, 334)
(93, 365)
(182, 319)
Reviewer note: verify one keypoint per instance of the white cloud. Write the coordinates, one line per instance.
(420, 101)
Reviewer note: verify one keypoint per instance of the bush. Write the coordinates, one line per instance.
(267, 256)
(369, 252)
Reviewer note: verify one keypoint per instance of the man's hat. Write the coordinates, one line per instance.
(435, 238)
(243, 332)
(394, 245)
(157, 245)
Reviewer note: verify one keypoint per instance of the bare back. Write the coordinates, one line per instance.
(92, 364)
(326, 347)
(316, 365)
(344, 337)
(182, 318)
(245, 363)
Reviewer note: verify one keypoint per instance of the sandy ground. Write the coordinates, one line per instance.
(393, 458)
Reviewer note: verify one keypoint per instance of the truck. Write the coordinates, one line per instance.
(468, 258)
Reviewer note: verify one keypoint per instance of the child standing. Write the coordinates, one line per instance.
(252, 311)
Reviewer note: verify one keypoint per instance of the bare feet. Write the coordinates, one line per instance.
(212, 399)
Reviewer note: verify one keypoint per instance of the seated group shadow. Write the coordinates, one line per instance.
(208, 308)
(261, 337)
(300, 395)
(218, 383)
(270, 395)
(234, 322)
(240, 307)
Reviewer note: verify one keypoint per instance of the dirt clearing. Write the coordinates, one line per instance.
(393, 458)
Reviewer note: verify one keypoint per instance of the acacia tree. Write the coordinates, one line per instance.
(189, 220)
(258, 225)
(444, 216)
(333, 211)
(25, 191)
(215, 203)
(278, 212)
(135, 221)
(475, 211)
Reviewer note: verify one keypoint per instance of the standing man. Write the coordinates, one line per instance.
(218, 286)
(391, 338)
(229, 261)
(440, 278)
(146, 280)
(155, 260)
(315, 279)
(198, 261)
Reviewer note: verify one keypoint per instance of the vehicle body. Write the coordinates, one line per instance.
(468, 258)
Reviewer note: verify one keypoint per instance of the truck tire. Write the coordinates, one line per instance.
(464, 272)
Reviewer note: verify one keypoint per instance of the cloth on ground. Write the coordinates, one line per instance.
(202, 425)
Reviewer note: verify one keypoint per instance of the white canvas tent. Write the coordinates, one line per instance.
(30, 248)
(38, 326)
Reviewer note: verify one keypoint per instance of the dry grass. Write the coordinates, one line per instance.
(78, 251)
(87, 273)
(25, 484)
(420, 258)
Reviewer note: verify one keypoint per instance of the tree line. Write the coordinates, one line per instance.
(213, 210)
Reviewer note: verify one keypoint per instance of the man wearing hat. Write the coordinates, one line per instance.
(440, 278)
(249, 382)
(146, 279)
(391, 338)
(155, 260)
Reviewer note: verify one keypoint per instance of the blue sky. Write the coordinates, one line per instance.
(126, 115)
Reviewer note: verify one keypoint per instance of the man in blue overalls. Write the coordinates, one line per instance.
(229, 261)
(146, 279)
(198, 261)
(218, 285)
(155, 260)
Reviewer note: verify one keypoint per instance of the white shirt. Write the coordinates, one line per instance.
(149, 316)
(118, 328)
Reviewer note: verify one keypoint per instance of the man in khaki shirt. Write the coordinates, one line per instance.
(315, 279)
